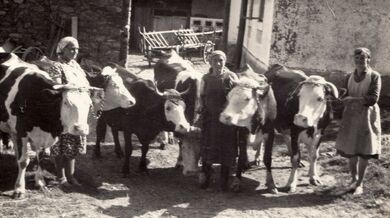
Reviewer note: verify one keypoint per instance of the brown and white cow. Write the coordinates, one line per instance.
(304, 110)
(251, 104)
(34, 109)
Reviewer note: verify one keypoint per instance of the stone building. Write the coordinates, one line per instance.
(41, 23)
(316, 36)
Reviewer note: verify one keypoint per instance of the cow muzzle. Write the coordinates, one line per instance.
(183, 128)
(79, 129)
(190, 172)
(302, 121)
(226, 119)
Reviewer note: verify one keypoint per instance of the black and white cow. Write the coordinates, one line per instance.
(173, 72)
(154, 112)
(33, 109)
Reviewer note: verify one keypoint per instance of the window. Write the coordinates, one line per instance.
(251, 8)
(261, 12)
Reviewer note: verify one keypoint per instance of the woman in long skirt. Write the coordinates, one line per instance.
(359, 137)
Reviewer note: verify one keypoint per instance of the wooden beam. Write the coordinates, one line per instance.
(125, 31)
(241, 34)
(226, 20)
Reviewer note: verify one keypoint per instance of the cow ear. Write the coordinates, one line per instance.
(332, 90)
(261, 92)
(49, 95)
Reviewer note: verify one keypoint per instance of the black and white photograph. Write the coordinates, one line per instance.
(194, 108)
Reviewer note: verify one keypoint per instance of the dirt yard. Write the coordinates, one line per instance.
(165, 192)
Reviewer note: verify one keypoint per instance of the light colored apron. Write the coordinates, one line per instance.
(360, 128)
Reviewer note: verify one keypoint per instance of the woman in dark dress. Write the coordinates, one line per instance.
(218, 139)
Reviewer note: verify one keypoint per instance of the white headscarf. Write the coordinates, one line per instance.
(64, 42)
(217, 53)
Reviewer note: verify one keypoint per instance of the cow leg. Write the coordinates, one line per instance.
(22, 160)
(287, 140)
(205, 175)
(5, 139)
(117, 144)
(39, 179)
(257, 158)
(225, 174)
(179, 161)
(295, 159)
(101, 128)
(143, 164)
(267, 159)
(128, 151)
(313, 153)
(242, 141)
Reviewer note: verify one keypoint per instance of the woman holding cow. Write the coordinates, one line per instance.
(68, 71)
(218, 140)
(359, 137)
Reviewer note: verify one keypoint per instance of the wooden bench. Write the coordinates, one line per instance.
(182, 40)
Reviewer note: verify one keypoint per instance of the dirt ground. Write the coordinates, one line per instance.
(165, 192)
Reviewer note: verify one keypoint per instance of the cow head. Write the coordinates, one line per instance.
(313, 94)
(246, 102)
(174, 108)
(75, 106)
(115, 92)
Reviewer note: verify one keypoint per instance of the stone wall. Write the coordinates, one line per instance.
(320, 36)
(323, 34)
(43, 22)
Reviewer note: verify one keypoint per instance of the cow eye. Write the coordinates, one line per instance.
(247, 99)
(320, 99)
(168, 108)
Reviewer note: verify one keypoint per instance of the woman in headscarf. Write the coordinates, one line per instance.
(67, 71)
(359, 137)
(218, 139)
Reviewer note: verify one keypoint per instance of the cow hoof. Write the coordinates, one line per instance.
(257, 162)
(119, 155)
(44, 189)
(203, 180)
(18, 195)
(315, 181)
(162, 146)
(272, 190)
(292, 189)
(97, 155)
(178, 166)
(236, 185)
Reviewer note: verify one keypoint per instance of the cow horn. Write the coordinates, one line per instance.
(185, 91)
(64, 87)
(156, 89)
(333, 88)
(91, 88)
